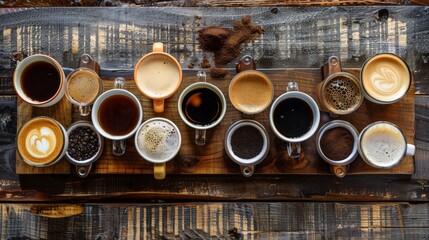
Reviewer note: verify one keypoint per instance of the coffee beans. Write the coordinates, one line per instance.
(83, 143)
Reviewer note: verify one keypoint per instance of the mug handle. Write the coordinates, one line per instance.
(339, 170)
(411, 150)
(293, 148)
(159, 170)
(200, 137)
(158, 47)
(333, 65)
(247, 171)
(119, 146)
(83, 171)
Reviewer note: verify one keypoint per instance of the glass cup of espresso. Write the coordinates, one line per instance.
(337, 144)
(158, 141)
(116, 114)
(158, 75)
(340, 92)
(42, 141)
(201, 106)
(251, 92)
(39, 80)
(383, 145)
(386, 78)
(83, 87)
(294, 118)
(247, 143)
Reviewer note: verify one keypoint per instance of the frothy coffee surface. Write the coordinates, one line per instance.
(158, 140)
(157, 76)
(83, 86)
(383, 144)
(386, 77)
(40, 141)
(251, 92)
(342, 93)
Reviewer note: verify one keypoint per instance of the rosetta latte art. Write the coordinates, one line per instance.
(385, 80)
(40, 142)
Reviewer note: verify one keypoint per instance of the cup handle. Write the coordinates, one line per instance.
(118, 147)
(85, 110)
(333, 65)
(411, 150)
(119, 83)
(292, 86)
(159, 170)
(83, 171)
(158, 105)
(87, 61)
(247, 171)
(200, 137)
(158, 47)
(294, 149)
(339, 170)
(246, 63)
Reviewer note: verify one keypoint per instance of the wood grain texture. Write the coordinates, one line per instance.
(216, 221)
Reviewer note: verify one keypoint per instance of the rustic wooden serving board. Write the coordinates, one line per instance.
(211, 158)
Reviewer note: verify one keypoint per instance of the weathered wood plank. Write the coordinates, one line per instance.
(216, 221)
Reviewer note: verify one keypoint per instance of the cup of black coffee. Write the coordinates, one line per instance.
(39, 80)
(201, 106)
(337, 144)
(294, 118)
(247, 143)
(116, 114)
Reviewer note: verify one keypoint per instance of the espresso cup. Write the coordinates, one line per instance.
(251, 92)
(158, 140)
(385, 78)
(383, 145)
(337, 144)
(42, 141)
(340, 92)
(39, 80)
(83, 87)
(116, 115)
(201, 106)
(247, 143)
(294, 118)
(158, 75)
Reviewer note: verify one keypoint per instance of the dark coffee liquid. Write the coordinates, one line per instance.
(118, 115)
(247, 142)
(337, 143)
(40, 81)
(293, 117)
(202, 106)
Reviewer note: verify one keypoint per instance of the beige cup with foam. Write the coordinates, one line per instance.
(158, 75)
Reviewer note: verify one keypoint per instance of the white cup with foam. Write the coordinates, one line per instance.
(158, 141)
(383, 145)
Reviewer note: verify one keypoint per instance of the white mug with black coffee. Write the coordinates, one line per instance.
(39, 80)
(201, 106)
(294, 118)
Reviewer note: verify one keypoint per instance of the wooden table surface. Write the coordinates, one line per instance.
(214, 206)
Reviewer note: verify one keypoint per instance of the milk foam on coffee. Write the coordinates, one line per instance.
(251, 92)
(83, 86)
(158, 140)
(342, 93)
(40, 141)
(386, 77)
(158, 76)
(383, 144)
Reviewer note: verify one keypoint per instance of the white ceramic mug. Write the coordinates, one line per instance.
(26, 65)
(297, 112)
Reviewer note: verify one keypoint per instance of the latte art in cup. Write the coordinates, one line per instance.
(385, 78)
(41, 141)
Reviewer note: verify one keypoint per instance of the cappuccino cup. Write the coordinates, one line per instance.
(42, 142)
(201, 106)
(385, 78)
(251, 92)
(83, 87)
(158, 140)
(247, 143)
(340, 92)
(337, 144)
(294, 118)
(116, 114)
(383, 145)
(158, 75)
(39, 80)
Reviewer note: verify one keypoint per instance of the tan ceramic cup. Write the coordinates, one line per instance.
(158, 75)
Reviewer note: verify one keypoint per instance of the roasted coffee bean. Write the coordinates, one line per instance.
(84, 143)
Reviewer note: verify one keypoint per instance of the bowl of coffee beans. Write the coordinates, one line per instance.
(86, 146)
